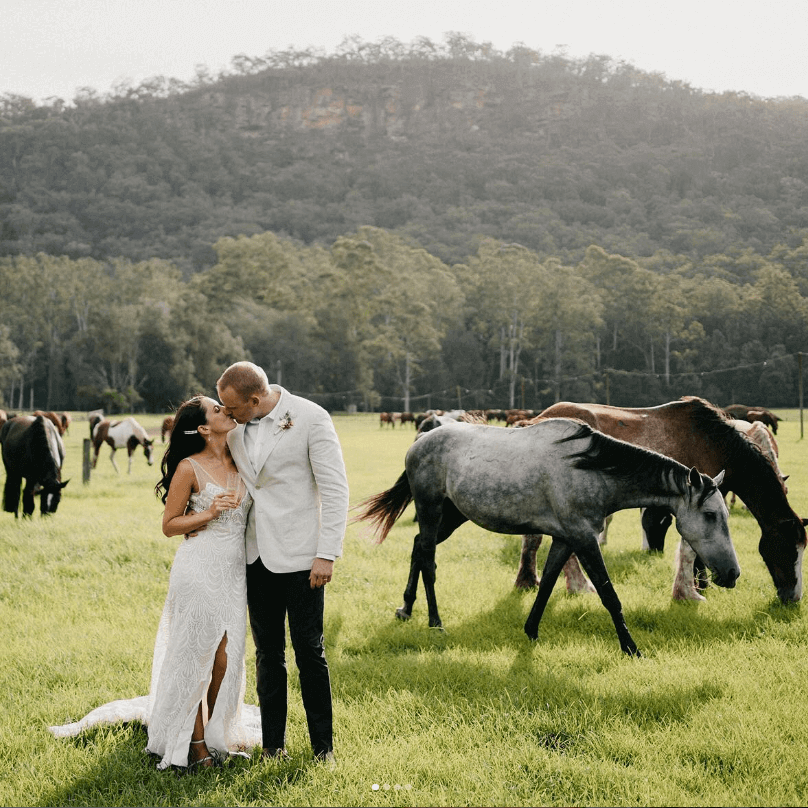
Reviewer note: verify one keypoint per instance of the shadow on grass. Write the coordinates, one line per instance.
(109, 778)
(568, 621)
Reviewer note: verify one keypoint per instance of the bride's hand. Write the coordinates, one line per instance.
(222, 503)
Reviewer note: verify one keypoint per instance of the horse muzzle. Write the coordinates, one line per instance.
(727, 578)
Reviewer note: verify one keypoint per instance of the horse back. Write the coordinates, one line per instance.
(669, 429)
(27, 449)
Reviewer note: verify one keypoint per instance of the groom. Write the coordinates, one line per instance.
(288, 454)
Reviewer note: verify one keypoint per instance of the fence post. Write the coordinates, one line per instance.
(85, 463)
(799, 382)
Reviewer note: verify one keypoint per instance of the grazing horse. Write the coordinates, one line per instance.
(32, 449)
(167, 427)
(54, 418)
(751, 414)
(117, 434)
(696, 433)
(559, 477)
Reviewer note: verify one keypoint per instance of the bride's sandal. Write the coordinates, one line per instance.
(205, 762)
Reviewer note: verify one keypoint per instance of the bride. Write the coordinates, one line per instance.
(195, 711)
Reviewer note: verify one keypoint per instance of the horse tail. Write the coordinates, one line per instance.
(384, 509)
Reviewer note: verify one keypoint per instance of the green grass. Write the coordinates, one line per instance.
(712, 714)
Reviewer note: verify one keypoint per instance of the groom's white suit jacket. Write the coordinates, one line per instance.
(298, 485)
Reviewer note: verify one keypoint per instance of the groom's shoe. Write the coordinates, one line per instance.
(274, 754)
(327, 758)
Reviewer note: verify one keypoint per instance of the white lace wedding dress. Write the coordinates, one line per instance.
(207, 598)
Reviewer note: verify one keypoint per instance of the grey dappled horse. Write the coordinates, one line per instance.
(559, 477)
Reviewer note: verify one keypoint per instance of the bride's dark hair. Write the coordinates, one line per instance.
(185, 440)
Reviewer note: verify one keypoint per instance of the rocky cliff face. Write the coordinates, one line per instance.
(399, 111)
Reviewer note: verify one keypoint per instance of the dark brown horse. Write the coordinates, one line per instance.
(752, 414)
(696, 433)
(33, 451)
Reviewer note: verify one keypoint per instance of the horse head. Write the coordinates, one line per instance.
(781, 546)
(50, 495)
(148, 450)
(702, 520)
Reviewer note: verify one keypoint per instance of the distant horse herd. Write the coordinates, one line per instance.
(560, 472)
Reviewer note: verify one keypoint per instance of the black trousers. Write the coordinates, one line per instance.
(272, 597)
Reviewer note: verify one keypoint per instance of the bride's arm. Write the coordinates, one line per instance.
(175, 519)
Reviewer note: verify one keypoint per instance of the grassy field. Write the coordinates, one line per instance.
(712, 714)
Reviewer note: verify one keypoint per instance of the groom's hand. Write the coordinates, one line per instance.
(321, 571)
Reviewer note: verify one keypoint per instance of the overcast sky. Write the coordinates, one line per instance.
(54, 47)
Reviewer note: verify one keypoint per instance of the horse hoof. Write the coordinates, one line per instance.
(688, 594)
(402, 614)
(526, 583)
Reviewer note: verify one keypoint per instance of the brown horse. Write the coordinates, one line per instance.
(696, 433)
(168, 425)
(54, 418)
(753, 414)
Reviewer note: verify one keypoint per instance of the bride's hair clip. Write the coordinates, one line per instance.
(190, 432)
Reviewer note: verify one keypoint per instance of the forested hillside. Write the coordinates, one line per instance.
(400, 226)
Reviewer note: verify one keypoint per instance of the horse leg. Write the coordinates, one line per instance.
(655, 524)
(557, 556)
(11, 494)
(405, 612)
(526, 577)
(28, 505)
(112, 458)
(683, 582)
(129, 470)
(449, 520)
(577, 582)
(595, 567)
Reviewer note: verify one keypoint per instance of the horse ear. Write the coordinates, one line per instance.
(62, 485)
(694, 478)
(719, 478)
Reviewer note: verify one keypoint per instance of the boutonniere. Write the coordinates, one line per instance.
(286, 422)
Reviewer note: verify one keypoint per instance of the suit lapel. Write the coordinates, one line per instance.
(281, 409)
(267, 448)
(235, 440)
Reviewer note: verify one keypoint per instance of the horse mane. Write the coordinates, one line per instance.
(737, 447)
(626, 461)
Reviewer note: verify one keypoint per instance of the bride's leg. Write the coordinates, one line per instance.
(217, 675)
(199, 750)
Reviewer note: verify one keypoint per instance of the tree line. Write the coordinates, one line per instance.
(445, 143)
(375, 321)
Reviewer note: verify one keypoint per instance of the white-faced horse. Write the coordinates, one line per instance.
(33, 450)
(696, 433)
(119, 434)
(559, 477)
